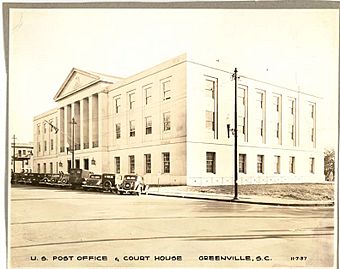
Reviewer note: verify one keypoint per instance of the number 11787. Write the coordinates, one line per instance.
(298, 258)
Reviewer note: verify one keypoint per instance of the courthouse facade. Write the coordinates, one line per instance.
(169, 124)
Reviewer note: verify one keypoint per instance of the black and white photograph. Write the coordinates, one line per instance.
(149, 135)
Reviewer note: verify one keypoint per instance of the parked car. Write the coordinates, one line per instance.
(105, 182)
(16, 178)
(132, 184)
(78, 177)
(35, 178)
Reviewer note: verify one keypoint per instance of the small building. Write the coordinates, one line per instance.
(169, 124)
(22, 157)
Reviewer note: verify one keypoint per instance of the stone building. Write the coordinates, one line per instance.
(169, 124)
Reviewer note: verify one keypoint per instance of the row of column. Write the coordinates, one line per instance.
(85, 113)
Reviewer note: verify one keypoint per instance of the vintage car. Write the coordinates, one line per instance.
(52, 179)
(105, 182)
(78, 177)
(132, 184)
(25, 178)
(16, 178)
(36, 178)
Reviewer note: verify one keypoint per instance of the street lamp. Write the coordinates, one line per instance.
(234, 132)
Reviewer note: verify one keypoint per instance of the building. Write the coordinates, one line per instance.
(22, 153)
(169, 124)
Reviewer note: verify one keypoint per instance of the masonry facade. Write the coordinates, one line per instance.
(169, 124)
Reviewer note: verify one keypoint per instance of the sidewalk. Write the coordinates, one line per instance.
(245, 199)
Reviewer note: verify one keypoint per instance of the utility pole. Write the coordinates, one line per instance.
(14, 138)
(235, 138)
(73, 122)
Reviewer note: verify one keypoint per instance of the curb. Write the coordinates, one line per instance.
(222, 199)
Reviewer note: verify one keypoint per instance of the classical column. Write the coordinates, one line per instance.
(90, 121)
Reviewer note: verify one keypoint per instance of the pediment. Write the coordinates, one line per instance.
(75, 81)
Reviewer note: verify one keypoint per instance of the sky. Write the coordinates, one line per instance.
(293, 48)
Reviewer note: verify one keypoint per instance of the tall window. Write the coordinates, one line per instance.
(117, 165)
(312, 123)
(39, 147)
(147, 158)
(292, 120)
(44, 168)
(132, 128)
(166, 121)
(242, 163)
(209, 120)
(211, 159)
(291, 164)
(86, 164)
(117, 104)
(166, 89)
(260, 164)
(210, 88)
(45, 128)
(38, 129)
(147, 93)
(260, 116)
(118, 130)
(132, 100)
(38, 167)
(277, 165)
(148, 125)
(312, 165)
(242, 111)
(51, 168)
(45, 145)
(276, 110)
(51, 144)
(132, 164)
(166, 162)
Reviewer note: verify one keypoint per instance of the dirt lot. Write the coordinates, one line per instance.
(309, 192)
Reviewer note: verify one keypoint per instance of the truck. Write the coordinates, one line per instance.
(78, 177)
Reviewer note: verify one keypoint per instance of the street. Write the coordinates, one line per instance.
(68, 228)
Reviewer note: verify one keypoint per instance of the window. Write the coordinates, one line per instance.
(147, 158)
(242, 163)
(166, 162)
(210, 159)
(117, 130)
(19, 153)
(291, 131)
(147, 92)
(39, 148)
(132, 164)
(291, 164)
(38, 167)
(312, 134)
(117, 104)
(312, 110)
(276, 164)
(166, 121)
(86, 164)
(44, 128)
(45, 145)
(278, 130)
(44, 168)
(312, 165)
(260, 164)
(51, 144)
(51, 168)
(276, 103)
(259, 99)
(291, 102)
(241, 125)
(117, 165)
(210, 88)
(24, 152)
(132, 100)
(209, 120)
(132, 128)
(166, 89)
(148, 125)
(38, 129)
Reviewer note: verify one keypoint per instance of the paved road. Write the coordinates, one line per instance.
(100, 229)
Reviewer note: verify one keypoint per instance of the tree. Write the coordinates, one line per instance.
(329, 160)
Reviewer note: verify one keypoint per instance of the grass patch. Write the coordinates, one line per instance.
(306, 192)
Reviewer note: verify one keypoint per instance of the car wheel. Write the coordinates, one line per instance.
(107, 185)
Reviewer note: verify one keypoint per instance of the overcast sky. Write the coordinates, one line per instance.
(287, 46)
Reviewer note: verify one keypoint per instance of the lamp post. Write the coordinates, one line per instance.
(234, 132)
(235, 138)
